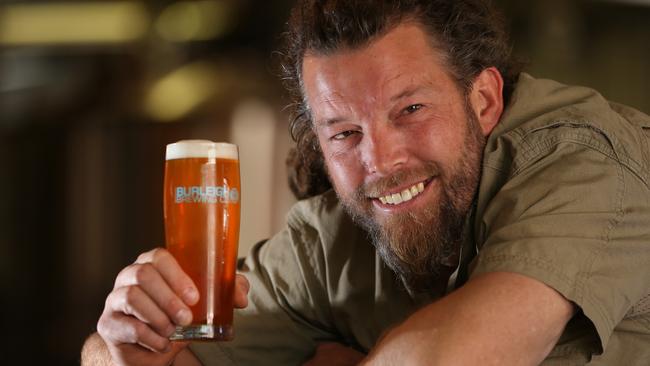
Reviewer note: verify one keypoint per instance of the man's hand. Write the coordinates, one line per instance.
(335, 354)
(149, 299)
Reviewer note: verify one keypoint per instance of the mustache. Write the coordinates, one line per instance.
(380, 186)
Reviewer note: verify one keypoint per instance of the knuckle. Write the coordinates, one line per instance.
(147, 256)
(173, 306)
(131, 294)
(142, 258)
(143, 273)
(160, 324)
(123, 275)
(110, 299)
(106, 327)
(138, 330)
(128, 300)
(114, 300)
(101, 326)
(159, 254)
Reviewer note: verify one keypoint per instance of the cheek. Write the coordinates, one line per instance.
(444, 146)
(345, 172)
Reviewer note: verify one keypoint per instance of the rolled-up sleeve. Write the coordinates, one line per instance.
(577, 219)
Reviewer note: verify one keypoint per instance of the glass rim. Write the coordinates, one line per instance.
(201, 149)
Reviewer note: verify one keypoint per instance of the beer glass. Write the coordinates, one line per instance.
(201, 206)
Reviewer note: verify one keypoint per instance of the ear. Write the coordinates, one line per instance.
(486, 97)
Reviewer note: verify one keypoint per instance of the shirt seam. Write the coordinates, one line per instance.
(490, 165)
(542, 147)
(600, 250)
(613, 149)
(541, 264)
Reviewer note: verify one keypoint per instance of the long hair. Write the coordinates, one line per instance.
(470, 34)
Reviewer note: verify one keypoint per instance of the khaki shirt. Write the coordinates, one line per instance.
(563, 198)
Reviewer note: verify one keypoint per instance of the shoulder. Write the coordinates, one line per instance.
(563, 193)
(319, 240)
(321, 211)
(321, 220)
(544, 114)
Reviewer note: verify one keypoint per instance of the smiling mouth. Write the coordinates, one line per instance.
(403, 196)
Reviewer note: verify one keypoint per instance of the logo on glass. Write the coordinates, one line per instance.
(209, 194)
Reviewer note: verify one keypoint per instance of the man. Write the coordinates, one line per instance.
(481, 216)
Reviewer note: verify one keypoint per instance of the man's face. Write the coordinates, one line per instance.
(402, 147)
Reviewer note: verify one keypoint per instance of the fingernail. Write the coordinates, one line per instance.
(190, 295)
(184, 317)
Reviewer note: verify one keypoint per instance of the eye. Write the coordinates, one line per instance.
(412, 108)
(342, 135)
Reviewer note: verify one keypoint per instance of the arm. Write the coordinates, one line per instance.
(495, 319)
(96, 353)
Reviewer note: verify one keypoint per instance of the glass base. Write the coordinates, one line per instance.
(203, 332)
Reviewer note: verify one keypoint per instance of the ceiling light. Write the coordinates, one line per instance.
(70, 23)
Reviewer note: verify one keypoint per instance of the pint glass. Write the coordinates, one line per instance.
(201, 205)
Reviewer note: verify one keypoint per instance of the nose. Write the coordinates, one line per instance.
(383, 150)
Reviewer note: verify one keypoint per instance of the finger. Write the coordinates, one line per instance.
(173, 274)
(242, 287)
(119, 329)
(149, 279)
(132, 300)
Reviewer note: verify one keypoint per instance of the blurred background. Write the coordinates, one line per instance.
(92, 91)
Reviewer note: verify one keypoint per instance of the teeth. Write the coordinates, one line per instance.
(389, 199)
(404, 196)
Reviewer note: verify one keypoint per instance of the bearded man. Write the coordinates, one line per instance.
(478, 216)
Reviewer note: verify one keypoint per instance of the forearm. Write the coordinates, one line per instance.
(498, 319)
(95, 352)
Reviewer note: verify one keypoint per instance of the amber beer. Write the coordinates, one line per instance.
(201, 204)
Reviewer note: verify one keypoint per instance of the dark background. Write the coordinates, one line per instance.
(81, 143)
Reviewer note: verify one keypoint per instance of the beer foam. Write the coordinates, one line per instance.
(201, 149)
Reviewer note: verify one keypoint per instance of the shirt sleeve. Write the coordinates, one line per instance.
(575, 218)
(287, 307)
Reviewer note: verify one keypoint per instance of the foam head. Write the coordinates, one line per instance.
(201, 149)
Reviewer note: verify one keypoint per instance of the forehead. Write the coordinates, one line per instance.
(404, 55)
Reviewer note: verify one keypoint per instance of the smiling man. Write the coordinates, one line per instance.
(402, 145)
(478, 216)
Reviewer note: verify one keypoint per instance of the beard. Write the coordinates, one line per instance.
(420, 245)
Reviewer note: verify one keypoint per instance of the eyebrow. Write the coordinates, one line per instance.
(407, 93)
(404, 94)
(329, 121)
